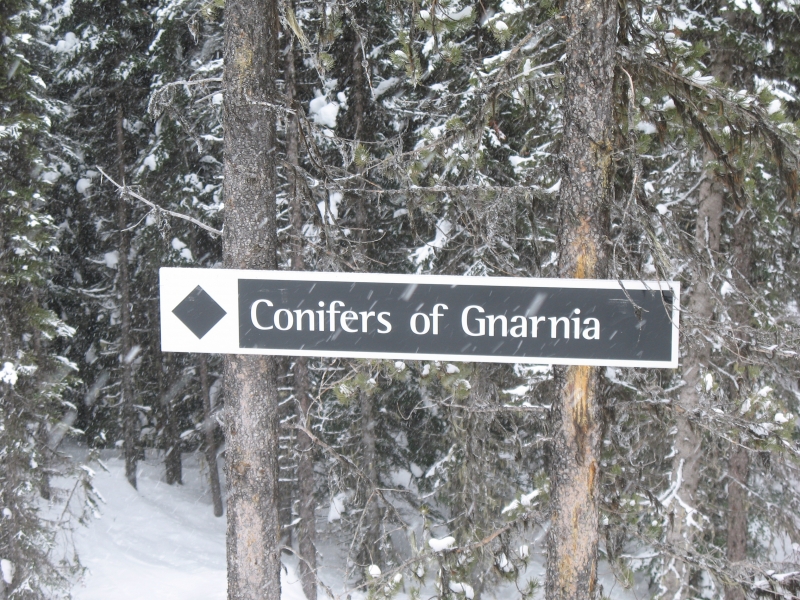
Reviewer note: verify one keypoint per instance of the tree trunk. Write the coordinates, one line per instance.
(209, 426)
(173, 465)
(738, 467)
(686, 460)
(739, 461)
(585, 198)
(371, 552)
(306, 528)
(287, 465)
(126, 358)
(249, 242)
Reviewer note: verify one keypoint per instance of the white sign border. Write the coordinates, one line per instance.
(454, 280)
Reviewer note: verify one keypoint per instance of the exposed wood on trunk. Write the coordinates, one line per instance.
(249, 242)
(686, 462)
(209, 427)
(739, 460)
(123, 282)
(585, 196)
(306, 509)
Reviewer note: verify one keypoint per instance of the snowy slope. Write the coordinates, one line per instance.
(159, 542)
(162, 542)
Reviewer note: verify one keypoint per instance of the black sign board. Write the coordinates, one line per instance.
(545, 321)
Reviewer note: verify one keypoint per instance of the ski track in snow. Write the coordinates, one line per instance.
(159, 542)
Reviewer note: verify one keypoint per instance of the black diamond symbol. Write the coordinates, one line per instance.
(199, 312)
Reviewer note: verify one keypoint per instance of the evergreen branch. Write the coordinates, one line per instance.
(784, 144)
(125, 190)
(158, 97)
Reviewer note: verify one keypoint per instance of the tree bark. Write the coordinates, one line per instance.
(738, 468)
(249, 242)
(686, 461)
(585, 197)
(209, 426)
(739, 461)
(173, 465)
(371, 551)
(306, 511)
(126, 387)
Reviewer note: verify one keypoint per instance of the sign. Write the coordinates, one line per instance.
(420, 317)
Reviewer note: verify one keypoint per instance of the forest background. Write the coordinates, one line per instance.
(410, 137)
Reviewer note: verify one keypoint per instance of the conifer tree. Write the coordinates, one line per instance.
(33, 374)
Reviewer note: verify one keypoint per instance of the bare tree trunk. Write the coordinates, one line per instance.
(173, 465)
(209, 426)
(126, 358)
(249, 242)
(585, 198)
(371, 551)
(307, 527)
(739, 460)
(738, 468)
(686, 461)
(287, 466)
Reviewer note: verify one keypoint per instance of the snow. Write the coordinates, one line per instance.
(334, 199)
(160, 542)
(437, 544)
(337, 507)
(709, 380)
(510, 7)
(462, 588)
(781, 418)
(8, 568)
(324, 112)
(68, 43)
(132, 354)
(8, 374)
(111, 259)
(83, 185)
(384, 86)
(528, 498)
(520, 390)
(518, 160)
(50, 176)
(421, 255)
(645, 127)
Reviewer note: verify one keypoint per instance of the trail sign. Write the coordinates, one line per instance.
(420, 317)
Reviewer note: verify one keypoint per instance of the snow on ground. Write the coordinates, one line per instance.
(159, 542)
(162, 542)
